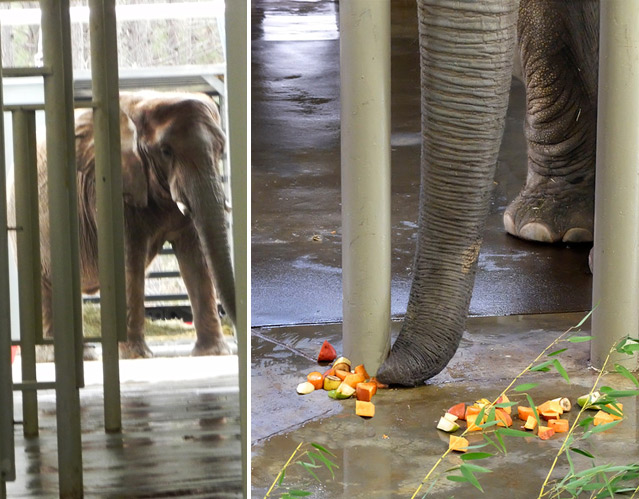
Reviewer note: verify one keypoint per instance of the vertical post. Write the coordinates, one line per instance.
(28, 252)
(616, 257)
(7, 453)
(236, 97)
(365, 142)
(110, 216)
(63, 221)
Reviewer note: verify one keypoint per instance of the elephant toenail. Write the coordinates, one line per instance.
(509, 224)
(577, 235)
(537, 232)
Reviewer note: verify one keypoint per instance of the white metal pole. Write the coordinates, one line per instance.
(236, 97)
(7, 453)
(365, 143)
(108, 175)
(616, 257)
(63, 222)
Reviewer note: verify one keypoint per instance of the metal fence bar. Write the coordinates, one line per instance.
(66, 317)
(110, 210)
(7, 453)
(28, 252)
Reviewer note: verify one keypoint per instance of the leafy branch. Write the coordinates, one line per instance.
(310, 457)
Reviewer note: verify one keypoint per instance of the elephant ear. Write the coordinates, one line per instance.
(135, 183)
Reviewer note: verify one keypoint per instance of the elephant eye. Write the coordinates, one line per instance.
(166, 151)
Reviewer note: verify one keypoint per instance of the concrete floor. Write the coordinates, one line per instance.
(525, 294)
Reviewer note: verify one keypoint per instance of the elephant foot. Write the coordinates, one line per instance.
(551, 210)
(135, 349)
(217, 348)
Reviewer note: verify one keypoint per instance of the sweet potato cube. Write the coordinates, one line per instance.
(504, 399)
(361, 370)
(502, 417)
(471, 421)
(472, 410)
(545, 432)
(603, 417)
(365, 391)
(548, 415)
(525, 412)
(559, 425)
(458, 410)
(551, 406)
(364, 409)
(354, 379)
(378, 383)
(531, 423)
(341, 374)
(459, 444)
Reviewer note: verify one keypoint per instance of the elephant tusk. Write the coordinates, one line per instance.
(183, 208)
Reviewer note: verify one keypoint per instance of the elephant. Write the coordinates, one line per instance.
(171, 144)
(466, 54)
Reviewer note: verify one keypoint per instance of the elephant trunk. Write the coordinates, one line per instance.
(208, 215)
(466, 63)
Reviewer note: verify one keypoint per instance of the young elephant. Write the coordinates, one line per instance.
(171, 146)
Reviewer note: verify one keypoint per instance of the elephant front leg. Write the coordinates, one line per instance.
(199, 286)
(135, 346)
(558, 45)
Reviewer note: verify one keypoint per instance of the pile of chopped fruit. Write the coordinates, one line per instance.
(545, 422)
(343, 382)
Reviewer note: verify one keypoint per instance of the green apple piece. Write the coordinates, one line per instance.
(589, 400)
(450, 417)
(305, 388)
(345, 391)
(447, 425)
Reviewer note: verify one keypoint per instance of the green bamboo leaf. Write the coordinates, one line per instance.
(586, 317)
(488, 424)
(591, 472)
(619, 393)
(579, 339)
(582, 452)
(328, 463)
(470, 456)
(500, 439)
(625, 372)
(542, 367)
(524, 387)
(472, 479)
(584, 423)
(557, 352)
(307, 467)
(512, 433)
(600, 428)
(299, 493)
(561, 370)
(323, 449)
(506, 404)
(475, 468)
(281, 478)
(456, 478)
(628, 345)
(613, 409)
(534, 409)
(498, 446)
(570, 463)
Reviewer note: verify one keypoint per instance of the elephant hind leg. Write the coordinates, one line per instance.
(558, 43)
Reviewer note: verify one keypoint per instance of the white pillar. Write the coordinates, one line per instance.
(616, 257)
(365, 128)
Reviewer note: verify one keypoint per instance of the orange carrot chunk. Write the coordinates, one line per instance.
(559, 425)
(365, 391)
(545, 432)
(354, 379)
(364, 409)
(603, 417)
(459, 444)
(361, 370)
(531, 423)
(379, 384)
(525, 412)
(316, 379)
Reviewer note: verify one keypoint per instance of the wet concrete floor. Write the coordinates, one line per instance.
(525, 294)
